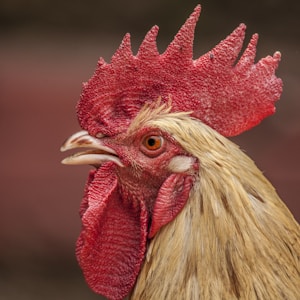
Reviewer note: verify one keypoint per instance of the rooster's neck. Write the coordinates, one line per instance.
(234, 239)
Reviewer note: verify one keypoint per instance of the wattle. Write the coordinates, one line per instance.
(112, 244)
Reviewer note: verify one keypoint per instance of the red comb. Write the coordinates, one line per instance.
(228, 95)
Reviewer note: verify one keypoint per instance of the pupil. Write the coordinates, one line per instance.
(151, 142)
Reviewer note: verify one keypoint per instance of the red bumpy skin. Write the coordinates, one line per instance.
(229, 96)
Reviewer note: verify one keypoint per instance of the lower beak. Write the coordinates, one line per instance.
(96, 154)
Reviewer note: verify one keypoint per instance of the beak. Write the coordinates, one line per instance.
(96, 154)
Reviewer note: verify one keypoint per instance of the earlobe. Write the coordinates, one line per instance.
(181, 163)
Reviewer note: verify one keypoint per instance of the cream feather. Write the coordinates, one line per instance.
(234, 239)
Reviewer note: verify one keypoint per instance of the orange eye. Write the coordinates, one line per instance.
(153, 142)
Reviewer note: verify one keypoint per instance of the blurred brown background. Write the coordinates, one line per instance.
(47, 48)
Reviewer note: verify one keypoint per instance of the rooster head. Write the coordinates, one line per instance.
(143, 176)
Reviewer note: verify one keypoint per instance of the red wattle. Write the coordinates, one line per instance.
(171, 198)
(111, 246)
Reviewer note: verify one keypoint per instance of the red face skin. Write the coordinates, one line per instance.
(125, 206)
(145, 169)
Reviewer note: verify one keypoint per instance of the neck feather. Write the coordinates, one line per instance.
(234, 239)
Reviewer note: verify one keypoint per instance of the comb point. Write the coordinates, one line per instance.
(148, 47)
(182, 45)
(124, 51)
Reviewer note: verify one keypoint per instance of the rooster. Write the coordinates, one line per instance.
(173, 209)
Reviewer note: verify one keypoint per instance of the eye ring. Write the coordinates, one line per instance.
(152, 145)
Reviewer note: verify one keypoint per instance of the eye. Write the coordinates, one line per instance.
(153, 142)
(152, 145)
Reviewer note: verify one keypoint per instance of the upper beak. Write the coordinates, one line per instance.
(96, 155)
